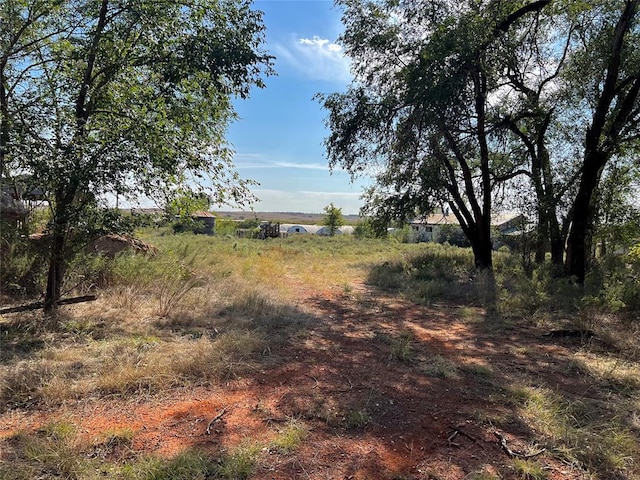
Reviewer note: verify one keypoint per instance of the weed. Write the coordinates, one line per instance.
(118, 437)
(239, 463)
(172, 291)
(21, 385)
(289, 437)
(479, 370)
(357, 418)
(529, 470)
(52, 452)
(485, 473)
(401, 347)
(469, 314)
(614, 374)
(438, 366)
(191, 464)
(388, 275)
(578, 430)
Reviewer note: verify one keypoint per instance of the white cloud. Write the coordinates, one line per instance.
(303, 166)
(316, 58)
(258, 160)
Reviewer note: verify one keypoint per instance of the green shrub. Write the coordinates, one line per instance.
(23, 268)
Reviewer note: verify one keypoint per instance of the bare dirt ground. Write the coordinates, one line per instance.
(375, 407)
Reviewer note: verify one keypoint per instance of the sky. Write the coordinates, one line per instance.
(278, 137)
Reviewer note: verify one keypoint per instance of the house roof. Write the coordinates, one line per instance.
(291, 228)
(437, 219)
(203, 214)
(440, 219)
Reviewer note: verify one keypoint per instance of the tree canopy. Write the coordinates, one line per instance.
(123, 98)
(453, 102)
(333, 218)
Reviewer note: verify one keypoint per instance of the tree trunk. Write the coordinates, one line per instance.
(482, 254)
(58, 253)
(557, 251)
(581, 232)
(480, 239)
(542, 236)
(56, 270)
(4, 121)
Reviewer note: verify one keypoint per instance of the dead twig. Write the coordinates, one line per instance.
(315, 380)
(450, 438)
(458, 431)
(513, 453)
(214, 420)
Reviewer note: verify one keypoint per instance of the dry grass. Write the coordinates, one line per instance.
(129, 366)
(208, 310)
(580, 431)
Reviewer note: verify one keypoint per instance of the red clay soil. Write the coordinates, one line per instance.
(370, 415)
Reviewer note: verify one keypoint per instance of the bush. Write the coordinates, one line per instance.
(23, 268)
(453, 235)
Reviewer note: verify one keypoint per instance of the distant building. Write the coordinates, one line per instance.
(12, 209)
(299, 229)
(207, 220)
(428, 229)
(342, 230)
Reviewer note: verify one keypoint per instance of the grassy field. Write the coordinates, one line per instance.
(280, 354)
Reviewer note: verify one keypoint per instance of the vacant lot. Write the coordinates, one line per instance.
(319, 358)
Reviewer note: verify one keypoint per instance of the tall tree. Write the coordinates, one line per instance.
(536, 55)
(421, 107)
(607, 62)
(23, 27)
(127, 98)
(617, 211)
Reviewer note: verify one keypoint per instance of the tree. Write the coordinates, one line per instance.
(421, 108)
(333, 218)
(454, 101)
(125, 98)
(607, 61)
(535, 56)
(617, 221)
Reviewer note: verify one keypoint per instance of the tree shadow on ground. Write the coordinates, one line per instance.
(475, 377)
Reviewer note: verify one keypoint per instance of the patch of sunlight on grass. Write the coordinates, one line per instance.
(579, 430)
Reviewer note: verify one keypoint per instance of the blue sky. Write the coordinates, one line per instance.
(278, 139)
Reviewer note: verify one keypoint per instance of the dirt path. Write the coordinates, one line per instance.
(387, 390)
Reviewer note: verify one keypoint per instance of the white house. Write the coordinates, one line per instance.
(428, 229)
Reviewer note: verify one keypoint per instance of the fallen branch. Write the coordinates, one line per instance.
(39, 305)
(513, 453)
(214, 420)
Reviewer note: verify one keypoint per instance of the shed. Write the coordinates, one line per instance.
(428, 229)
(343, 230)
(300, 229)
(208, 221)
